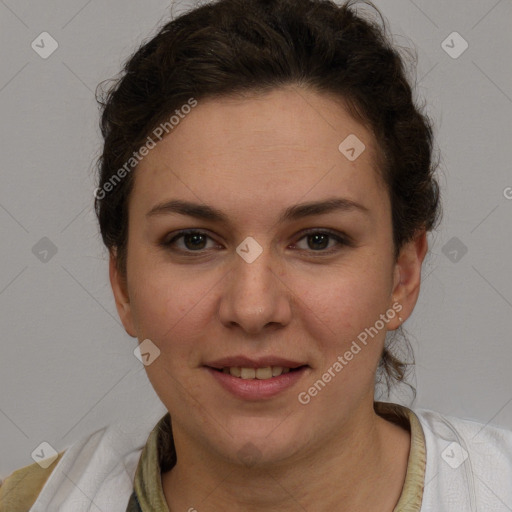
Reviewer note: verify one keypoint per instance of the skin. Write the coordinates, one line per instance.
(253, 157)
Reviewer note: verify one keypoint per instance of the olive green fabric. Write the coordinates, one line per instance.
(412, 491)
(19, 491)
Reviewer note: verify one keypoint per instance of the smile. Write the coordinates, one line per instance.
(260, 383)
(255, 373)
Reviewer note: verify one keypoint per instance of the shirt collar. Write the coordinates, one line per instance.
(159, 455)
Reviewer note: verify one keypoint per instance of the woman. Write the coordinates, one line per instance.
(265, 191)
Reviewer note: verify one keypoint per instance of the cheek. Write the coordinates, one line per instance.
(350, 342)
(173, 309)
(349, 300)
(174, 306)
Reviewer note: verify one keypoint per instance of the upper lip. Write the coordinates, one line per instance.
(247, 362)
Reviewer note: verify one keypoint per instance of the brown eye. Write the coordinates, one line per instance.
(318, 241)
(193, 241)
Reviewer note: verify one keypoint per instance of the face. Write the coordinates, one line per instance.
(289, 264)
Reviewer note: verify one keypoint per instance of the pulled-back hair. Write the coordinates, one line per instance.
(233, 47)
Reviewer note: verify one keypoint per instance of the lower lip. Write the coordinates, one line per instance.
(256, 389)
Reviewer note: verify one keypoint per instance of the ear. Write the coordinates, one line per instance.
(120, 289)
(407, 278)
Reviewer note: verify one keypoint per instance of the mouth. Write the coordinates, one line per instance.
(256, 380)
(262, 373)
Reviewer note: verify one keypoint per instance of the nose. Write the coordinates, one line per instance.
(254, 297)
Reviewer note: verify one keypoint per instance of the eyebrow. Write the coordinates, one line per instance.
(296, 212)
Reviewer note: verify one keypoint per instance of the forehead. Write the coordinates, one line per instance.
(275, 147)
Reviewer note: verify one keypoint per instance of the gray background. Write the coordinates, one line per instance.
(67, 367)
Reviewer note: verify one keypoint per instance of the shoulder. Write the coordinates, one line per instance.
(468, 461)
(20, 489)
(481, 438)
(104, 463)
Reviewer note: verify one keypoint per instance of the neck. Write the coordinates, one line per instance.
(363, 468)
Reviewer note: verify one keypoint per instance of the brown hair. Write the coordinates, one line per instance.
(229, 47)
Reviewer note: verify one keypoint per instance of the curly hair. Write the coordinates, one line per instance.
(231, 47)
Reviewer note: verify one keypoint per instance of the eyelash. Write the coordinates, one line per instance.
(342, 240)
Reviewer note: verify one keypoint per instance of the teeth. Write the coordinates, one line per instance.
(256, 373)
(264, 373)
(235, 371)
(248, 373)
(276, 370)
